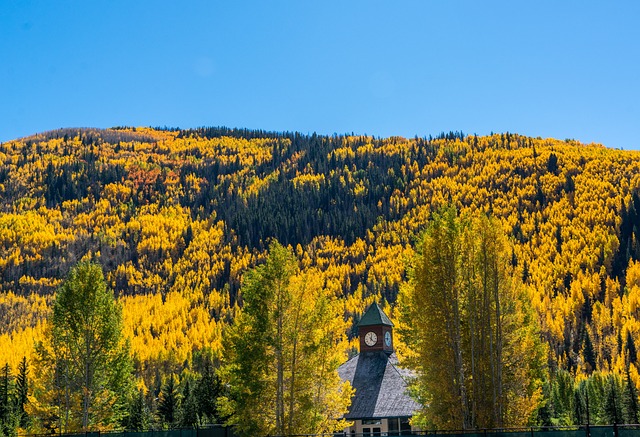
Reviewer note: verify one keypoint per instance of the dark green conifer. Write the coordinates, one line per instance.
(5, 393)
(22, 392)
(207, 391)
(578, 407)
(169, 403)
(8, 418)
(589, 353)
(612, 402)
(189, 413)
(630, 401)
(138, 418)
(632, 354)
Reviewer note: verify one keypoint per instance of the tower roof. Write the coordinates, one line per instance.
(374, 316)
(381, 387)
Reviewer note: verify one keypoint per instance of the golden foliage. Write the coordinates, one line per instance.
(177, 217)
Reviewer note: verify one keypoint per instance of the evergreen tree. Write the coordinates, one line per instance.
(545, 410)
(563, 397)
(588, 352)
(138, 418)
(582, 412)
(619, 343)
(632, 354)
(208, 388)
(22, 392)
(579, 410)
(189, 412)
(595, 395)
(9, 420)
(5, 393)
(169, 403)
(7, 417)
(630, 400)
(613, 401)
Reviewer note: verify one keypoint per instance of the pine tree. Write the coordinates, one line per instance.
(138, 418)
(9, 420)
(207, 390)
(588, 353)
(545, 409)
(563, 397)
(189, 412)
(630, 400)
(22, 392)
(169, 403)
(632, 354)
(579, 414)
(6, 383)
(612, 404)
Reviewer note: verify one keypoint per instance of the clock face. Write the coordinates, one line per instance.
(371, 338)
(387, 338)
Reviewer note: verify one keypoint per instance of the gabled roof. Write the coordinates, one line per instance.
(381, 387)
(374, 316)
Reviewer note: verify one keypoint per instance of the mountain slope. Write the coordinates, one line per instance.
(176, 216)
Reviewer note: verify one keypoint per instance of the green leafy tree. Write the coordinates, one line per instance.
(283, 352)
(83, 366)
(471, 334)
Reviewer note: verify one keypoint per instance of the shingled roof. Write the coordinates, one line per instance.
(374, 316)
(381, 387)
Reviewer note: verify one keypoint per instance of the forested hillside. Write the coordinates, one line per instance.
(176, 217)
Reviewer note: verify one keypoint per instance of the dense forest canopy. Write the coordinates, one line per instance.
(175, 217)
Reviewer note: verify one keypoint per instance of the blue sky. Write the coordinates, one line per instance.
(563, 69)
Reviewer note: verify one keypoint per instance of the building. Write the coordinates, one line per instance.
(381, 404)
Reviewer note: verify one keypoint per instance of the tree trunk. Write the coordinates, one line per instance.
(279, 363)
(499, 405)
(294, 356)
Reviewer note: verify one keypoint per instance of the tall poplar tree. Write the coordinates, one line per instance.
(83, 369)
(283, 352)
(473, 340)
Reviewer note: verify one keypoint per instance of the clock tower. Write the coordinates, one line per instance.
(375, 331)
(381, 404)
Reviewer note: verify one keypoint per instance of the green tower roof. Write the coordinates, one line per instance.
(374, 316)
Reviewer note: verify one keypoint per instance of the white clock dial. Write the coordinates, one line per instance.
(387, 338)
(371, 338)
